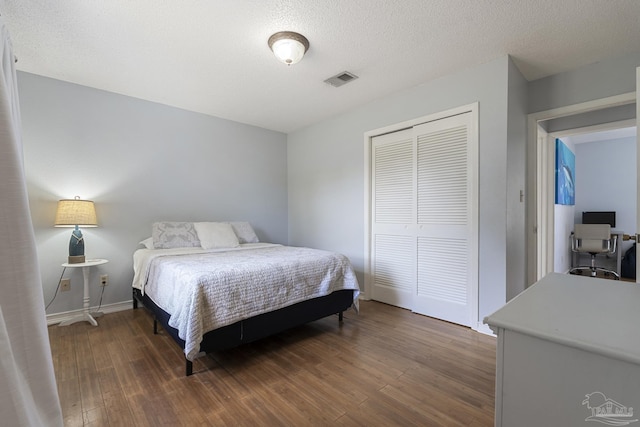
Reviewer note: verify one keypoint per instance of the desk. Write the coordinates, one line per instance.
(568, 352)
(86, 267)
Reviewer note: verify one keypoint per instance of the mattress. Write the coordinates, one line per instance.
(203, 290)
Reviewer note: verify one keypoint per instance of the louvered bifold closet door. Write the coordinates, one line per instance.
(393, 243)
(445, 199)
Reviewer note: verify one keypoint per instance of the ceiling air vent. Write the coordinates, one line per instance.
(341, 79)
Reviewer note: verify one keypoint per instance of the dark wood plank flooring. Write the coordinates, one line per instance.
(385, 366)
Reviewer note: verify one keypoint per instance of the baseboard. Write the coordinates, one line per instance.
(484, 329)
(54, 319)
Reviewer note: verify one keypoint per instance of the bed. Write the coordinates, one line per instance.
(215, 297)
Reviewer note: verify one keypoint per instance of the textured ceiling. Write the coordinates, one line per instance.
(212, 56)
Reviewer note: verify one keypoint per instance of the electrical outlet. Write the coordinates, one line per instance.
(104, 280)
(65, 285)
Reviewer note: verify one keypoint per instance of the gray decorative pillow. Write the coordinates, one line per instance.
(244, 231)
(169, 235)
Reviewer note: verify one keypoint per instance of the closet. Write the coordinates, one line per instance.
(423, 218)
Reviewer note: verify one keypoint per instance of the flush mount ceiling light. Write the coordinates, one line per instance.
(288, 47)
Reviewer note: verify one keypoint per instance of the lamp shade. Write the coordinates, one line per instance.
(288, 47)
(76, 212)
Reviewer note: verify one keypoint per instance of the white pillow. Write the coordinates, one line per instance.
(147, 243)
(214, 235)
(244, 231)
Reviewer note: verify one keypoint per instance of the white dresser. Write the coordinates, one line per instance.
(569, 354)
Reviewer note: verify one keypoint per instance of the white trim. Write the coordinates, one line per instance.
(367, 216)
(595, 128)
(53, 319)
(474, 262)
(474, 132)
(535, 155)
(484, 329)
(637, 98)
(545, 207)
(420, 120)
(585, 107)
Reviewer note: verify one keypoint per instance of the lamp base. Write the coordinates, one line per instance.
(76, 259)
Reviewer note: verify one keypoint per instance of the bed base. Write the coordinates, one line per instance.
(254, 328)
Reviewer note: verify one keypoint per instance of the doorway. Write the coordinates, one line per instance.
(421, 212)
(605, 166)
(540, 175)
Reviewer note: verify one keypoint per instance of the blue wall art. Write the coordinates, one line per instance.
(565, 175)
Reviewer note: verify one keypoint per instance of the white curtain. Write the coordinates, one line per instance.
(28, 393)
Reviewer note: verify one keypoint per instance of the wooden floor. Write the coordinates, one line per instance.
(384, 366)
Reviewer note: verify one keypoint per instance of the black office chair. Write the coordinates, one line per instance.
(594, 239)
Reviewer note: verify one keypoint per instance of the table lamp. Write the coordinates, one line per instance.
(76, 213)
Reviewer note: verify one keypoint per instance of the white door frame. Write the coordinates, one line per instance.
(637, 172)
(540, 197)
(473, 263)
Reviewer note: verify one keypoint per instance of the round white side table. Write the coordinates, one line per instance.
(86, 267)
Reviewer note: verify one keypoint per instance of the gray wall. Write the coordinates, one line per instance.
(143, 162)
(140, 162)
(595, 81)
(606, 181)
(326, 169)
(516, 182)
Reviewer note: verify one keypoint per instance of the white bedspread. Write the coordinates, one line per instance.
(204, 290)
